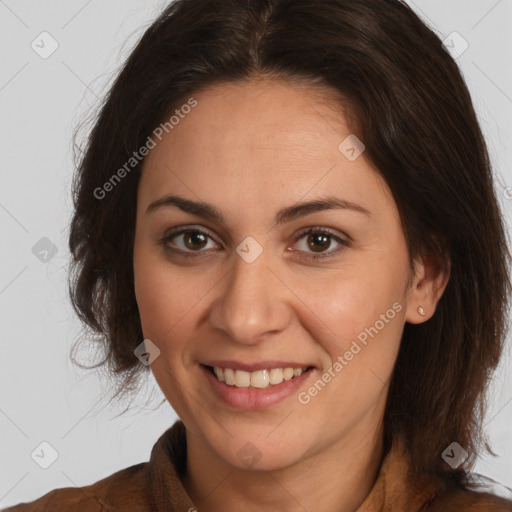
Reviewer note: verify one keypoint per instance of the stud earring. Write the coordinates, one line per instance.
(420, 311)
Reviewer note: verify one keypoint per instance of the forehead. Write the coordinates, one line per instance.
(262, 140)
(264, 115)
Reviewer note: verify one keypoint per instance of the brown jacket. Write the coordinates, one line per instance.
(156, 486)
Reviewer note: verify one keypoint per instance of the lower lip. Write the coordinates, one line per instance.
(255, 398)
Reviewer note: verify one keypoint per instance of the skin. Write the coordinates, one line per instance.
(251, 149)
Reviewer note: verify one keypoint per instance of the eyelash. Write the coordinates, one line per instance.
(316, 230)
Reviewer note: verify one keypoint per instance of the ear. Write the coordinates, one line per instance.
(430, 276)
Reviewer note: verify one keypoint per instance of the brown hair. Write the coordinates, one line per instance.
(414, 113)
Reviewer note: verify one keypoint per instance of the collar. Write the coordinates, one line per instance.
(165, 469)
(396, 489)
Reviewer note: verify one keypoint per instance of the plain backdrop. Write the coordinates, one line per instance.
(43, 397)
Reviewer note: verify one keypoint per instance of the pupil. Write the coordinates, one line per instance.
(196, 238)
(322, 239)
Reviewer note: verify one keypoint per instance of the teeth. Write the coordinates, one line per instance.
(242, 379)
(259, 379)
(287, 373)
(219, 373)
(229, 376)
(275, 376)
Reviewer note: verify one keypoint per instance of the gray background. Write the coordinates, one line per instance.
(43, 397)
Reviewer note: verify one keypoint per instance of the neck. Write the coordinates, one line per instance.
(339, 478)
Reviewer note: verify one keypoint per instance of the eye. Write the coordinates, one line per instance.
(317, 241)
(188, 241)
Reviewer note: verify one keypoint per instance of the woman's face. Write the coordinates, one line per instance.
(243, 290)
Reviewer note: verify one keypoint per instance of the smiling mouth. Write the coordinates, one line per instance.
(259, 379)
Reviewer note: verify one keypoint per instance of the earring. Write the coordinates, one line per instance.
(420, 311)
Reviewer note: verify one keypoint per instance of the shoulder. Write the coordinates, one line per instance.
(469, 501)
(481, 493)
(152, 485)
(123, 490)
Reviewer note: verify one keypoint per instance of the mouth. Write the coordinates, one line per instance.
(255, 386)
(259, 379)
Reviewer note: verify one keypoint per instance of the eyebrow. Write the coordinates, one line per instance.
(284, 215)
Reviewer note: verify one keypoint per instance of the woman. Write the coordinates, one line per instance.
(291, 203)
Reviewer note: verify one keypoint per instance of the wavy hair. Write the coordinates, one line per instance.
(412, 109)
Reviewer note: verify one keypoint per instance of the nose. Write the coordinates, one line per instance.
(252, 302)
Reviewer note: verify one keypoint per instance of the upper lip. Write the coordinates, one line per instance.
(253, 367)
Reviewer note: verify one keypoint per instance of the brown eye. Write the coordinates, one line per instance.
(188, 242)
(319, 242)
(194, 239)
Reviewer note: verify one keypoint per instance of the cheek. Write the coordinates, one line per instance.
(171, 304)
(163, 298)
(163, 304)
(358, 323)
(345, 304)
